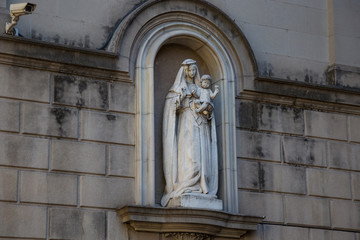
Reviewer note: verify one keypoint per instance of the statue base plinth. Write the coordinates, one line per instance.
(202, 201)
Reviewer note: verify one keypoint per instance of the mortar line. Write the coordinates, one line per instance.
(109, 97)
(78, 191)
(284, 208)
(47, 222)
(20, 117)
(282, 152)
(106, 225)
(305, 125)
(49, 154)
(330, 218)
(107, 159)
(351, 187)
(348, 126)
(18, 187)
(327, 154)
(79, 125)
(50, 90)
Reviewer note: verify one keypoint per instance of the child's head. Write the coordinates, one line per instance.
(205, 81)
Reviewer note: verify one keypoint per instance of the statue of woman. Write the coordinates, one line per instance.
(189, 140)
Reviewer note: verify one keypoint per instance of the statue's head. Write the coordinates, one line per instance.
(205, 81)
(190, 68)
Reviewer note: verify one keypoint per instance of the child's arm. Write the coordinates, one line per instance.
(213, 94)
(193, 93)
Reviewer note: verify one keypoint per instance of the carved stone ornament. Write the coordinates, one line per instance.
(187, 236)
(190, 156)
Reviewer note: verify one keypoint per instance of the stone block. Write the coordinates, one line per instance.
(320, 234)
(304, 151)
(81, 92)
(325, 125)
(277, 38)
(50, 121)
(196, 201)
(262, 204)
(122, 97)
(280, 178)
(108, 127)
(272, 232)
(250, 235)
(328, 183)
(18, 221)
(355, 177)
(354, 125)
(115, 228)
(40, 187)
(122, 161)
(248, 174)
(71, 223)
(344, 156)
(9, 117)
(258, 146)
(309, 46)
(22, 83)
(288, 68)
(106, 192)
(8, 184)
(78, 157)
(349, 52)
(307, 211)
(22, 151)
(345, 215)
(246, 114)
(136, 235)
(281, 119)
(291, 15)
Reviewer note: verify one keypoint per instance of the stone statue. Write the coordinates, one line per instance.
(190, 156)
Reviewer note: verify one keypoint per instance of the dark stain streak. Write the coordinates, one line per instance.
(111, 117)
(259, 151)
(204, 11)
(297, 113)
(82, 86)
(60, 115)
(261, 177)
(103, 91)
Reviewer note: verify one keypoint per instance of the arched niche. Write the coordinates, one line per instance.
(205, 30)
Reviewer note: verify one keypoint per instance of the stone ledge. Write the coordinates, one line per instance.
(188, 220)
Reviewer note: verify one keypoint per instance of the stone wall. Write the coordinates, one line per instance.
(299, 166)
(66, 154)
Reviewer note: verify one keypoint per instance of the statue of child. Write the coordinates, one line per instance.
(204, 95)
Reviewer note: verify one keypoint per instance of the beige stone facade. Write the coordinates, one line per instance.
(80, 127)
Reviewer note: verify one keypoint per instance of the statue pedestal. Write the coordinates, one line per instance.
(202, 201)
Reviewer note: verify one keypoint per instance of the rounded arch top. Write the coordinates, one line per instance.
(127, 37)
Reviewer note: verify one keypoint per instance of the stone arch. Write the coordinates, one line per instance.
(210, 33)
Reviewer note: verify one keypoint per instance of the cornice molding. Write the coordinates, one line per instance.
(195, 222)
(57, 58)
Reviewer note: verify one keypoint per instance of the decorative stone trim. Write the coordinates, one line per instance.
(187, 223)
(187, 236)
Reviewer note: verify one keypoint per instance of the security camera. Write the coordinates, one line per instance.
(17, 10)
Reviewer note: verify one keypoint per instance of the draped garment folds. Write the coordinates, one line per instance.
(190, 156)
